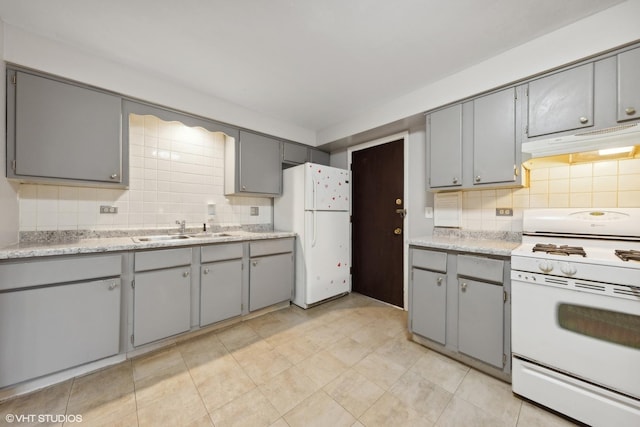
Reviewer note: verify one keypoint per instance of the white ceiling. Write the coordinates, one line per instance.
(312, 63)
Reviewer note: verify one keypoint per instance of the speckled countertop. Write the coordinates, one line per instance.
(490, 243)
(125, 243)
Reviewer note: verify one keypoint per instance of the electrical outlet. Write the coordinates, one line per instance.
(255, 211)
(504, 212)
(108, 209)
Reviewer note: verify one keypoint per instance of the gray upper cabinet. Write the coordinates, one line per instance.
(562, 101)
(444, 142)
(629, 85)
(294, 153)
(494, 138)
(253, 165)
(320, 157)
(61, 132)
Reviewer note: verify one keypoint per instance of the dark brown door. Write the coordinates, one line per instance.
(377, 222)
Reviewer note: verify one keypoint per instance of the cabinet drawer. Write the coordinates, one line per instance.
(58, 270)
(221, 252)
(481, 268)
(269, 247)
(429, 260)
(164, 258)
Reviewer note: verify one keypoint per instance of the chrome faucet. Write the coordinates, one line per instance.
(183, 226)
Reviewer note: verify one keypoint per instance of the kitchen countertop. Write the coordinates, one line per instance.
(489, 243)
(115, 244)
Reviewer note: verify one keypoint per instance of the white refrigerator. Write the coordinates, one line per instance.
(315, 205)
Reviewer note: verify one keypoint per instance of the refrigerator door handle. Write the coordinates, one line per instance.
(313, 212)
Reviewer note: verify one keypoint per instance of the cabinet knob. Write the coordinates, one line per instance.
(114, 176)
(439, 281)
(113, 285)
(463, 287)
(455, 180)
(478, 179)
(630, 111)
(254, 263)
(244, 187)
(584, 120)
(185, 274)
(206, 271)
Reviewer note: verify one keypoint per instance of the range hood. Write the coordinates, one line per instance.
(613, 137)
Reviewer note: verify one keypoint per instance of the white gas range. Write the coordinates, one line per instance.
(575, 284)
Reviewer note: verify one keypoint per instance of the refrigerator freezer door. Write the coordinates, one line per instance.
(327, 188)
(327, 257)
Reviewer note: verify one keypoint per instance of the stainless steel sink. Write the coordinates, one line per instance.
(159, 238)
(206, 234)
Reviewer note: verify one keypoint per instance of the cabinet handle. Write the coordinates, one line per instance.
(455, 180)
(439, 281)
(478, 179)
(206, 271)
(112, 286)
(630, 111)
(185, 274)
(114, 175)
(584, 120)
(463, 287)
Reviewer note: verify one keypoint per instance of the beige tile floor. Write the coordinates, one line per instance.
(345, 363)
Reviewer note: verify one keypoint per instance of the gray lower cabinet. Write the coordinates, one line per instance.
(271, 272)
(629, 85)
(429, 304)
(253, 165)
(58, 313)
(481, 321)
(220, 283)
(58, 131)
(561, 101)
(459, 306)
(161, 295)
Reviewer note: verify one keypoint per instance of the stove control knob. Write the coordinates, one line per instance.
(545, 266)
(568, 269)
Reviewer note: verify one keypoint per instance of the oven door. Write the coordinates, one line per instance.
(595, 337)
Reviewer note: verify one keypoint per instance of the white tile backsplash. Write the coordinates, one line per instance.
(606, 184)
(175, 172)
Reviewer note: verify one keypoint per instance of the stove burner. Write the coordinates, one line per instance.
(631, 255)
(559, 250)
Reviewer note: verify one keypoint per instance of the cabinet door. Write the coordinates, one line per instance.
(65, 131)
(561, 101)
(294, 153)
(270, 280)
(444, 136)
(260, 165)
(161, 304)
(494, 137)
(629, 85)
(45, 330)
(319, 157)
(220, 291)
(428, 305)
(480, 321)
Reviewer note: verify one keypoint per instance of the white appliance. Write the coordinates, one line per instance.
(575, 284)
(315, 205)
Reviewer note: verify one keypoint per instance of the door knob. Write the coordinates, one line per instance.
(401, 212)
(397, 231)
